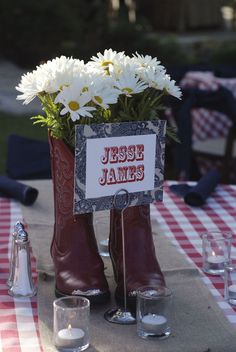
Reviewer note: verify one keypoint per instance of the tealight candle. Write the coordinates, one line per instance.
(70, 337)
(232, 291)
(153, 323)
(216, 251)
(216, 259)
(215, 263)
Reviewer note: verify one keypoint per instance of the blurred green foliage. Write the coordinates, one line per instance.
(35, 31)
(224, 53)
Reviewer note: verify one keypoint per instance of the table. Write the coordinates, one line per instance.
(184, 224)
(19, 329)
(199, 322)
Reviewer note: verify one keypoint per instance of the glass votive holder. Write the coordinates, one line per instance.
(71, 323)
(102, 228)
(230, 284)
(154, 312)
(216, 248)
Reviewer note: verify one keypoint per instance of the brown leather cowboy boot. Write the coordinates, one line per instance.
(79, 269)
(142, 267)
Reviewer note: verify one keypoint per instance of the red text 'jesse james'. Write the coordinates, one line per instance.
(118, 173)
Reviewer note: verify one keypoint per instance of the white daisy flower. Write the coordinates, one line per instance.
(81, 88)
(103, 92)
(144, 63)
(105, 97)
(31, 84)
(119, 67)
(61, 72)
(154, 78)
(129, 83)
(171, 87)
(74, 103)
(105, 61)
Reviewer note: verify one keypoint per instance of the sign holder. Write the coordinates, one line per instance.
(122, 315)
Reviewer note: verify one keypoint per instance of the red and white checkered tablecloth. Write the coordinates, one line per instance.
(183, 225)
(19, 331)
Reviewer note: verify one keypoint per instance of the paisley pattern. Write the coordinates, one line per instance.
(83, 132)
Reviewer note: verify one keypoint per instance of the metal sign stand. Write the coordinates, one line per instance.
(121, 315)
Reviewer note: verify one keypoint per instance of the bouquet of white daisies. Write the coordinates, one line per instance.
(111, 87)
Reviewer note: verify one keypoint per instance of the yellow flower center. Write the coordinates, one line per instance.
(85, 89)
(73, 105)
(106, 63)
(127, 90)
(98, 99)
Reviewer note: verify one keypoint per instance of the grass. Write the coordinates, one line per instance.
(20, 125)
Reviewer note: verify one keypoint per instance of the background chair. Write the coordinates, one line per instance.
(222, 150)
(219, 149)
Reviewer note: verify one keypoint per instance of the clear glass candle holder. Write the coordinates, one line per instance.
(216, 248)
(153, 316)
(71, 323)
(230, 284)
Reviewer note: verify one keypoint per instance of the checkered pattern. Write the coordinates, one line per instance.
(209, 124)
(19, 331)
(184, 226)
(206, 123)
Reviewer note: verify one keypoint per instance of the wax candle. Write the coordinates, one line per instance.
(153, 323)
(215, 263)
(232, 291)
(70, 337)
(216, 259)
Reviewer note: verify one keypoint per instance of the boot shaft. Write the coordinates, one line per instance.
(137, 229)
(142, 267)
(78, 266)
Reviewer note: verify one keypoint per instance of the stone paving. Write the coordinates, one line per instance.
(10, 76)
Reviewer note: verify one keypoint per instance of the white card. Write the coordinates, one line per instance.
(119, 162)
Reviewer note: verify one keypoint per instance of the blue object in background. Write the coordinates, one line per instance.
(198, 194)
(27, 158)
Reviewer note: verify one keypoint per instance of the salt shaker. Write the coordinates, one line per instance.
(17, 227)
(22, 283)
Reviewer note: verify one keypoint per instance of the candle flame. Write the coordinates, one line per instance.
(213, 253)
(69, 327)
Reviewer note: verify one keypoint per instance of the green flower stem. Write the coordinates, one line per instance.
(155, 100)
(140, 106)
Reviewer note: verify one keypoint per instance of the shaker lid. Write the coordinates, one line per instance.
(22, 236)
(18, 226)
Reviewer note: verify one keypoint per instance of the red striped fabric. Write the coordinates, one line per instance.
(19, 331)
(184, 225)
